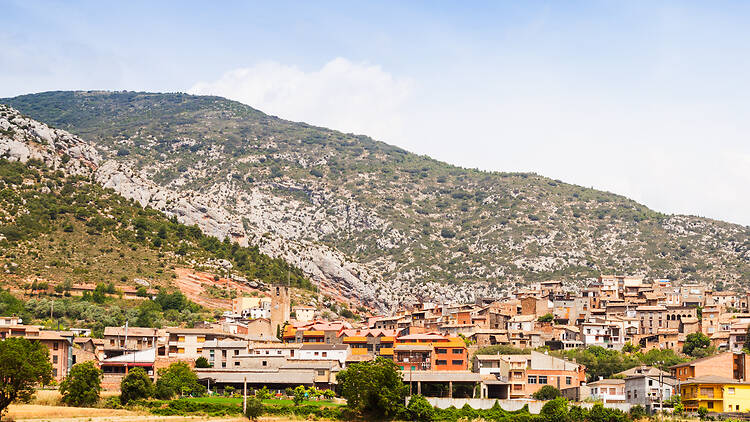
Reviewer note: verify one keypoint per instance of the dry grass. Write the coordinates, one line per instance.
(39, 413)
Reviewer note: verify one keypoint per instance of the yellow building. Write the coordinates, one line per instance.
(717, 394)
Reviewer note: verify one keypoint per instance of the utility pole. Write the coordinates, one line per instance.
(661, 392)
(244, 397)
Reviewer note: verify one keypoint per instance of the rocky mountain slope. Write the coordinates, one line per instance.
(368, 219)
(57, 224)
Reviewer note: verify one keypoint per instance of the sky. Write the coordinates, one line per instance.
(648, 99)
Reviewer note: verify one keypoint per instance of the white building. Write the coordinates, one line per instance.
(648, 390)
(608, 390)
(304, 313)
(338, 352)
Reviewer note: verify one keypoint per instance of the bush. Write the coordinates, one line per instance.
(637, 412)
(82, 386)
(202, 362)
(254, 408)
(548, 392)
(420, 410)
(702, 413)
(135, 386)
(555, 410)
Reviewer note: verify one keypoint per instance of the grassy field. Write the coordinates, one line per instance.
(278, 402)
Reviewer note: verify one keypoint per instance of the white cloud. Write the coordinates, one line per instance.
(351, 97)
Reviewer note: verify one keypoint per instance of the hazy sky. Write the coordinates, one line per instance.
(647, 99)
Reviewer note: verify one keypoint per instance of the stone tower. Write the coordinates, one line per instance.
(280, 306)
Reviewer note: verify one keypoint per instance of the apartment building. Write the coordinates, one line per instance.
(430, 351)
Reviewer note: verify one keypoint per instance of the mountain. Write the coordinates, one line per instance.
(370, 220)
(58, 224)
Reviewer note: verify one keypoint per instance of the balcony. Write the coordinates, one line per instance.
(386, 351)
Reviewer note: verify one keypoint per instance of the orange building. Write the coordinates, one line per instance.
(430, 352)
(371, 341)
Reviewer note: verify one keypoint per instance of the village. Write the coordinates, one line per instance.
(440, 348)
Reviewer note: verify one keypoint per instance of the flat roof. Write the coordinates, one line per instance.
(441, 376)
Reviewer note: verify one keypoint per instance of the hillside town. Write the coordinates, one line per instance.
(440, 348)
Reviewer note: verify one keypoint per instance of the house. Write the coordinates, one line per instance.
(431, 351)
(335, 352)
(727, 365)
(244, 303)
(303, 313)
(716, 393)
(114, 369)
(315, 332)
(223, 353)
(522, 322)
(370, 341)
(491, 365)
(648, 388)
(529, 373)
(608, 390)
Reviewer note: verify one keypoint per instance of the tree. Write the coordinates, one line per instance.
(254, 408)
(264, 393)
(299, 395)
(629, 347)
(374, 387)
(548, 392)
(702, 413)
(328, 394)
(420, 409)
(696, 344)
(546, 318)
(23, 364)
(177, 380)
(135, 386)
(82, 386)
(202, 362)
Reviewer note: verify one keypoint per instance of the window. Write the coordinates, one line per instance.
(54, 359)
(441, 351)
(181, 350)
(710, 405)
(457, 362)
(542, 379)
(532, 379)
(236, 364)
(264, 363)
(628, 395)
(568, 380)
(441, 362)
(458, 351)
(635, 394)
(54, 372)
(55, 346)
(223, 364)
(236, 352)
(650, 383)
(324, 354)
(181, 339)
(321, 372)
(730, 390)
